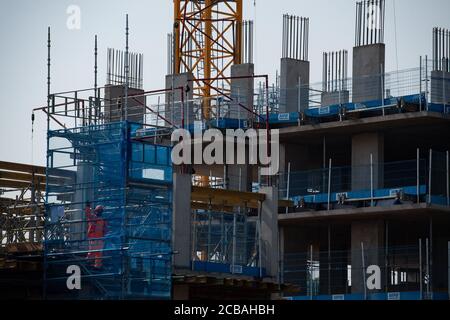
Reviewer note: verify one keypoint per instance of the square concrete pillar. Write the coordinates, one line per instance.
(242, 91)
(294, 82)
(182, 221)
(369, 64)
(115, 104)
(372, 234)
(173, 110)
(440, 87)
(363, 145)
(269, 232)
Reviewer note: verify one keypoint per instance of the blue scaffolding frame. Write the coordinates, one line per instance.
(132, 180)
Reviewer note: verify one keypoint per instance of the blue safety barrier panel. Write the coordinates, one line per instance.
(210, 267)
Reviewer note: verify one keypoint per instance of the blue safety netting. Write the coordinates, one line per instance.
(104, 165)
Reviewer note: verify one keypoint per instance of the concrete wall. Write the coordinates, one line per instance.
(83, 194)
(336, 97)
(291, 72)
(242, 91)
(363, 145)
(240, 177)
(182, 222)
(173, 107)
(372, 234)
(269, 231)
(115, 104)
(440, 87)
(368, 64)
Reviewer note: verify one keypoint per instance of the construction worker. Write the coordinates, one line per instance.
(90, 217)
(97, 229)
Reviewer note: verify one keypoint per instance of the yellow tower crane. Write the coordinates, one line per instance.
(207, 42)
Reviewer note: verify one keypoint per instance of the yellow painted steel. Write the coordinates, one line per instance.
(208, 41)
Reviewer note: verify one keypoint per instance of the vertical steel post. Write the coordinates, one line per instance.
(311, 273)
(194, 239)
(372, 203)
(430, 175)
(427, 263)
(420, 84)
(430, 271)
(288, 184)
(448, 179)
(418, 176)
(386, 256)
(426, 83)
(420, 270)
(127, 68)
(382, 87)
(259, 238)
(234, 244)
(299, 106)
(363, 260)
(329, 259)
(44, 287)
(329, 184)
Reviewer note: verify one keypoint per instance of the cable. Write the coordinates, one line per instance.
(395, 34)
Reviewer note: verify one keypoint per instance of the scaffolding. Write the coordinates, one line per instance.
(132, 181)
(225, 242)
(404, 273)
(423, 180)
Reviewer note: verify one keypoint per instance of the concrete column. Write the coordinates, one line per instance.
(182, 221)
(115, 103)
(368, 64)
(440, 87)
(371, 233)
(293, 71)
(84, 193)
(363, 145)
(269, 231)
(242, 91)
(173, 108)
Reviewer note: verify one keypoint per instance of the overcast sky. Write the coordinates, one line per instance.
(23, 33)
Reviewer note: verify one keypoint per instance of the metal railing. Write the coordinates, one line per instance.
(416, 181)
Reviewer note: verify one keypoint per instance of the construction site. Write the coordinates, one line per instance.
(358, 210)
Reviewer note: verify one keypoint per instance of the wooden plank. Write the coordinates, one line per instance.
(16, 184)
(285, 203)
(21, 167)
(22, 177)
(228, 194)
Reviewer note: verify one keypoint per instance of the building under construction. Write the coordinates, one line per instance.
(359, 210)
